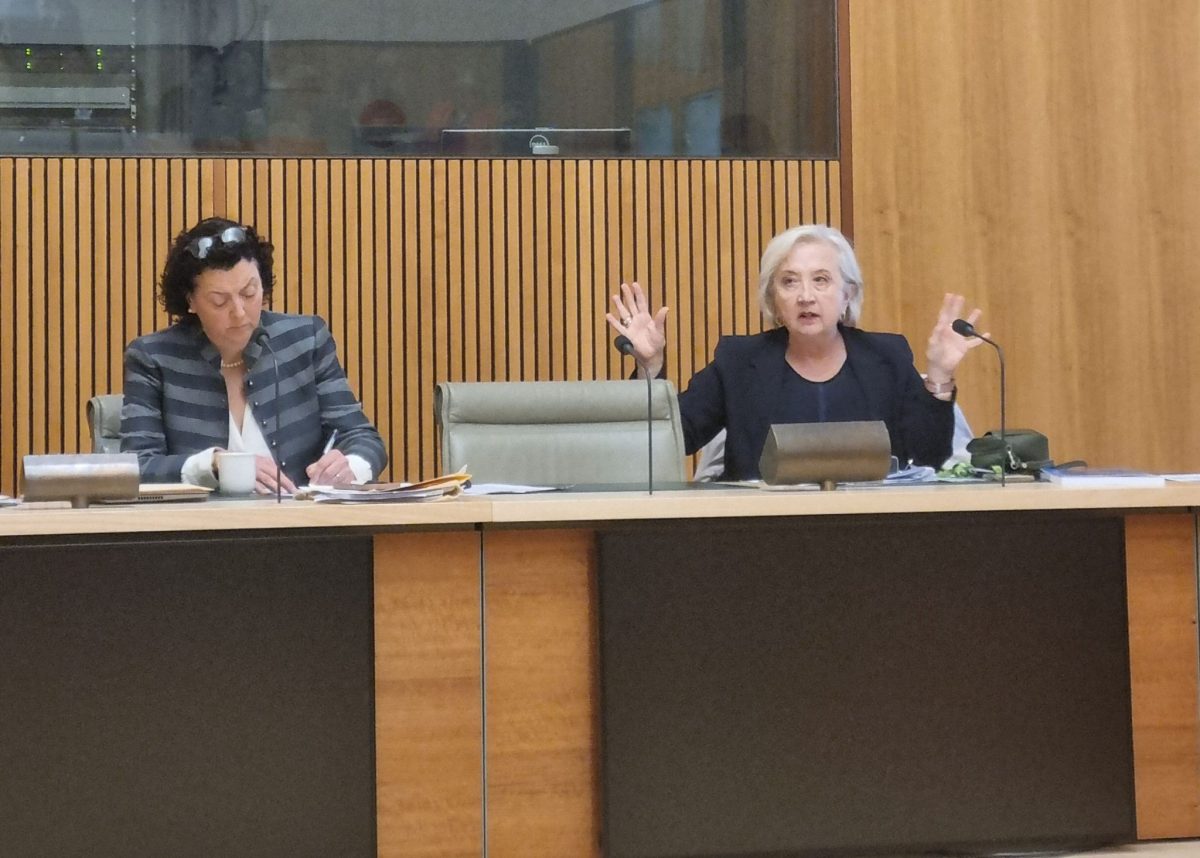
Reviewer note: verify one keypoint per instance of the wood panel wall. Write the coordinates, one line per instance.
(427, 270)
(1041, 158)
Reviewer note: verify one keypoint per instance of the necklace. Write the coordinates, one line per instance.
(233, 364)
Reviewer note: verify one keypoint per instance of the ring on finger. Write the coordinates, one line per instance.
(626, 321)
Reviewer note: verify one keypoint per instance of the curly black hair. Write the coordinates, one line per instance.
(182, 267)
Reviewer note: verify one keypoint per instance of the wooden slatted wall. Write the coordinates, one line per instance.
(426, 270)
(1041, 158)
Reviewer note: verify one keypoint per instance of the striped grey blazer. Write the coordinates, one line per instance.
(176, 404)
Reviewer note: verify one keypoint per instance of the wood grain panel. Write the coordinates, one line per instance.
(426, 270)
(120, 239)
(428, 699)
(40, 325)
(301, 251)
(469, 345)
(1041, 157)
(89, 342)
(62, 252)
(551, 251)
(65, 405)
(1161, 572)
(542, 756)
(23, 321)
(8, 298)
(355, 257)
(610, 264)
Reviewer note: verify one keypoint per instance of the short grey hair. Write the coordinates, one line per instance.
(777, 251)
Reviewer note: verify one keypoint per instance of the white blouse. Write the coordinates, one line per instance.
(248, 438)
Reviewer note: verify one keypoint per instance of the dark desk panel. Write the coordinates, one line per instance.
(183, 696)
(865, 685)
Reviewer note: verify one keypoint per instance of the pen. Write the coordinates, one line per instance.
(329, 444)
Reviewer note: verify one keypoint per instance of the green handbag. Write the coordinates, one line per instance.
(1027, 451)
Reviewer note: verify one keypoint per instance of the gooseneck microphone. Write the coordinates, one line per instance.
(265, 341)
(965, 329)
(625, 347)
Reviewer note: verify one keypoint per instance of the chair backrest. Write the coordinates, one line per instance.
(559, 432)
(104, 421)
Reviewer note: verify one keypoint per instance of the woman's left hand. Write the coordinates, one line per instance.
(330, 470)
(946, 348)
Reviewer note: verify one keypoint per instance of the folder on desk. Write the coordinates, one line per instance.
(164, 493)
(447, 485)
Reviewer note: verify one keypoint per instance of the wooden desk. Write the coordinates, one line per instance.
(493, 600)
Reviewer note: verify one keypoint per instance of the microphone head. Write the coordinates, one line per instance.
(261, 337)
(623, 345)
(964, 328)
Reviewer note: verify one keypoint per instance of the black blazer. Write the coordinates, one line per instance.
(176, 402)
(735, 392)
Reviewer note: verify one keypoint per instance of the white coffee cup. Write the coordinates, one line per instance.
(236, 472)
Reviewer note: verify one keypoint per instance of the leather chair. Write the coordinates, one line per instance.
(559, 432)
(104, 421)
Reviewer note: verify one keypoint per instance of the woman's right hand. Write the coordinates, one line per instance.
(647, 332)
(264, 482)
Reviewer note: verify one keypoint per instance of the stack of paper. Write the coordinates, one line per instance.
(434, 489)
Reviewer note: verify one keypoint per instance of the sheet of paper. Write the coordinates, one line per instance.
(506, 489)
(912, 474)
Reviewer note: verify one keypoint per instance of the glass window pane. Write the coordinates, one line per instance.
(420, 77)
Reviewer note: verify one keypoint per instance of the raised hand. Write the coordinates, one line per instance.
(631, 317)
(947, 348)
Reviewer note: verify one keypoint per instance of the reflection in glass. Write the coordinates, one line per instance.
(392, 77)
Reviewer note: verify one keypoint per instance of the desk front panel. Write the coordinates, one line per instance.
(528, 587)
(187, 696)
(429, 694)
(1161, 562)
(1161, 587)
(863, 685)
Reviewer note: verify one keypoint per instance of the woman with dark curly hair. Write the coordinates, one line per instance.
(229, 375)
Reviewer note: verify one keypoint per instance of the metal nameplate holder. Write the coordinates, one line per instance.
(81, 478)
(826, 453)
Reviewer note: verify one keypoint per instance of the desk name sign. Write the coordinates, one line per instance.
(825, 453)
(80, 478)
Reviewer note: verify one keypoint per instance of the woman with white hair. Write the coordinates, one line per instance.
(814, 365)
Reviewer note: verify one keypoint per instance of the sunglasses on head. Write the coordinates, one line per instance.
(202, 246)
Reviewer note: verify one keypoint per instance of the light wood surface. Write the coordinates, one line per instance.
(1160, 556)
(1040, 157)
(574, 507)
(428, 695)
(426, 270)
(890, 501)
(230, 515)
(1173, 849)
(542, 698)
